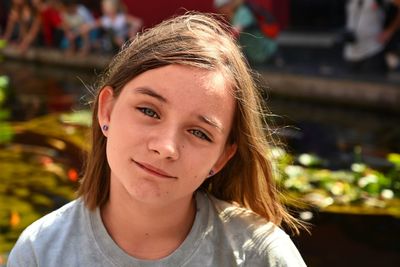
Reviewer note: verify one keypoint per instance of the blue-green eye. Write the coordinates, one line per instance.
(200, 135)
(149, 112)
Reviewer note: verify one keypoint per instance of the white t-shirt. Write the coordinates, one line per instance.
(222, 235)
(80, 17)
(118, 25)
(365, 18)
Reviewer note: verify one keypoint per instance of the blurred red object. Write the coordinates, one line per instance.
(73, 175)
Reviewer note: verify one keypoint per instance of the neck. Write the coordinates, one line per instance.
(147, 231)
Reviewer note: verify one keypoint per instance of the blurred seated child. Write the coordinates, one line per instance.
(75, 18)
(20, 19)
(46, 25)
(37, 22)
(51, 23)
(115, 26)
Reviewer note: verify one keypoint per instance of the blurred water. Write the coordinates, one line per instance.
(42, 89)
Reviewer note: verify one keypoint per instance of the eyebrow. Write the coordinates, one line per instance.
(210, 122)
(152, 93)
(148, 91)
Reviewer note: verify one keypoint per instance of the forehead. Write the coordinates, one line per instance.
(184, 80)
(188, 91)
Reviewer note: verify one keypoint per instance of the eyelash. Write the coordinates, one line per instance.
(146, 111)
(152, 114)
(202, 135)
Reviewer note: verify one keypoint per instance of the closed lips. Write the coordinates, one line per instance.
(153, 170)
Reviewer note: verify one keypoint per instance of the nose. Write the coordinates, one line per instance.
(165, 143)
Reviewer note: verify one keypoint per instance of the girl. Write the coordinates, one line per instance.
(179, 173)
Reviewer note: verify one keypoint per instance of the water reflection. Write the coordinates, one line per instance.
(36, 90)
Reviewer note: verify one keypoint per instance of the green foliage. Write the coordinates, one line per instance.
(4, 81)
(3, 43)
(29, 189)
(34, 180)
(360, 186)
(6, 132)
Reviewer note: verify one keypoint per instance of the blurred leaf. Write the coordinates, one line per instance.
(6, 132)
(394, 158)
(309, 160)
(4, 80)
(3, 43)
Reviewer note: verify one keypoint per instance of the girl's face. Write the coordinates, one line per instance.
(167, 129)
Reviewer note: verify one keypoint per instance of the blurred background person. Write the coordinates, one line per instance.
(46, 26)
(391, 35)
(76, 20)
(38, 24)
(115, 26)
(366, 35)
(51, 20)
(20, 19)
(257, 46)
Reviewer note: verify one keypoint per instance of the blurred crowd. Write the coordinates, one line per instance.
(68, 24)
(73, 27)
(370, 36)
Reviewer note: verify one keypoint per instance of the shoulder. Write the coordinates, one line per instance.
(54, 220)
(50, 229)
(244, 222)
(254, 236)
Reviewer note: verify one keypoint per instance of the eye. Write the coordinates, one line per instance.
(149, 112)
(200, 135)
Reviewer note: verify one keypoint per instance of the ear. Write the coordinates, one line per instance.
(106, 103)
(228, 153)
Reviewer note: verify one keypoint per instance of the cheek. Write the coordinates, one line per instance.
(119, 142)
(199, 163)
(113, 152)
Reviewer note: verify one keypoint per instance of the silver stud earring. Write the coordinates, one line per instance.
(105, 127)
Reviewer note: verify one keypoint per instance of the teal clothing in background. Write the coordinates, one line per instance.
(257, 47)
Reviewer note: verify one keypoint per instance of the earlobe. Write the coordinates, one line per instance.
(106, 103)
(229, 152)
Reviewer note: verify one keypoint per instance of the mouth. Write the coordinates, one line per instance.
(153, 170)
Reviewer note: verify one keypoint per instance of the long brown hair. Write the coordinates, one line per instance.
(201, 41)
